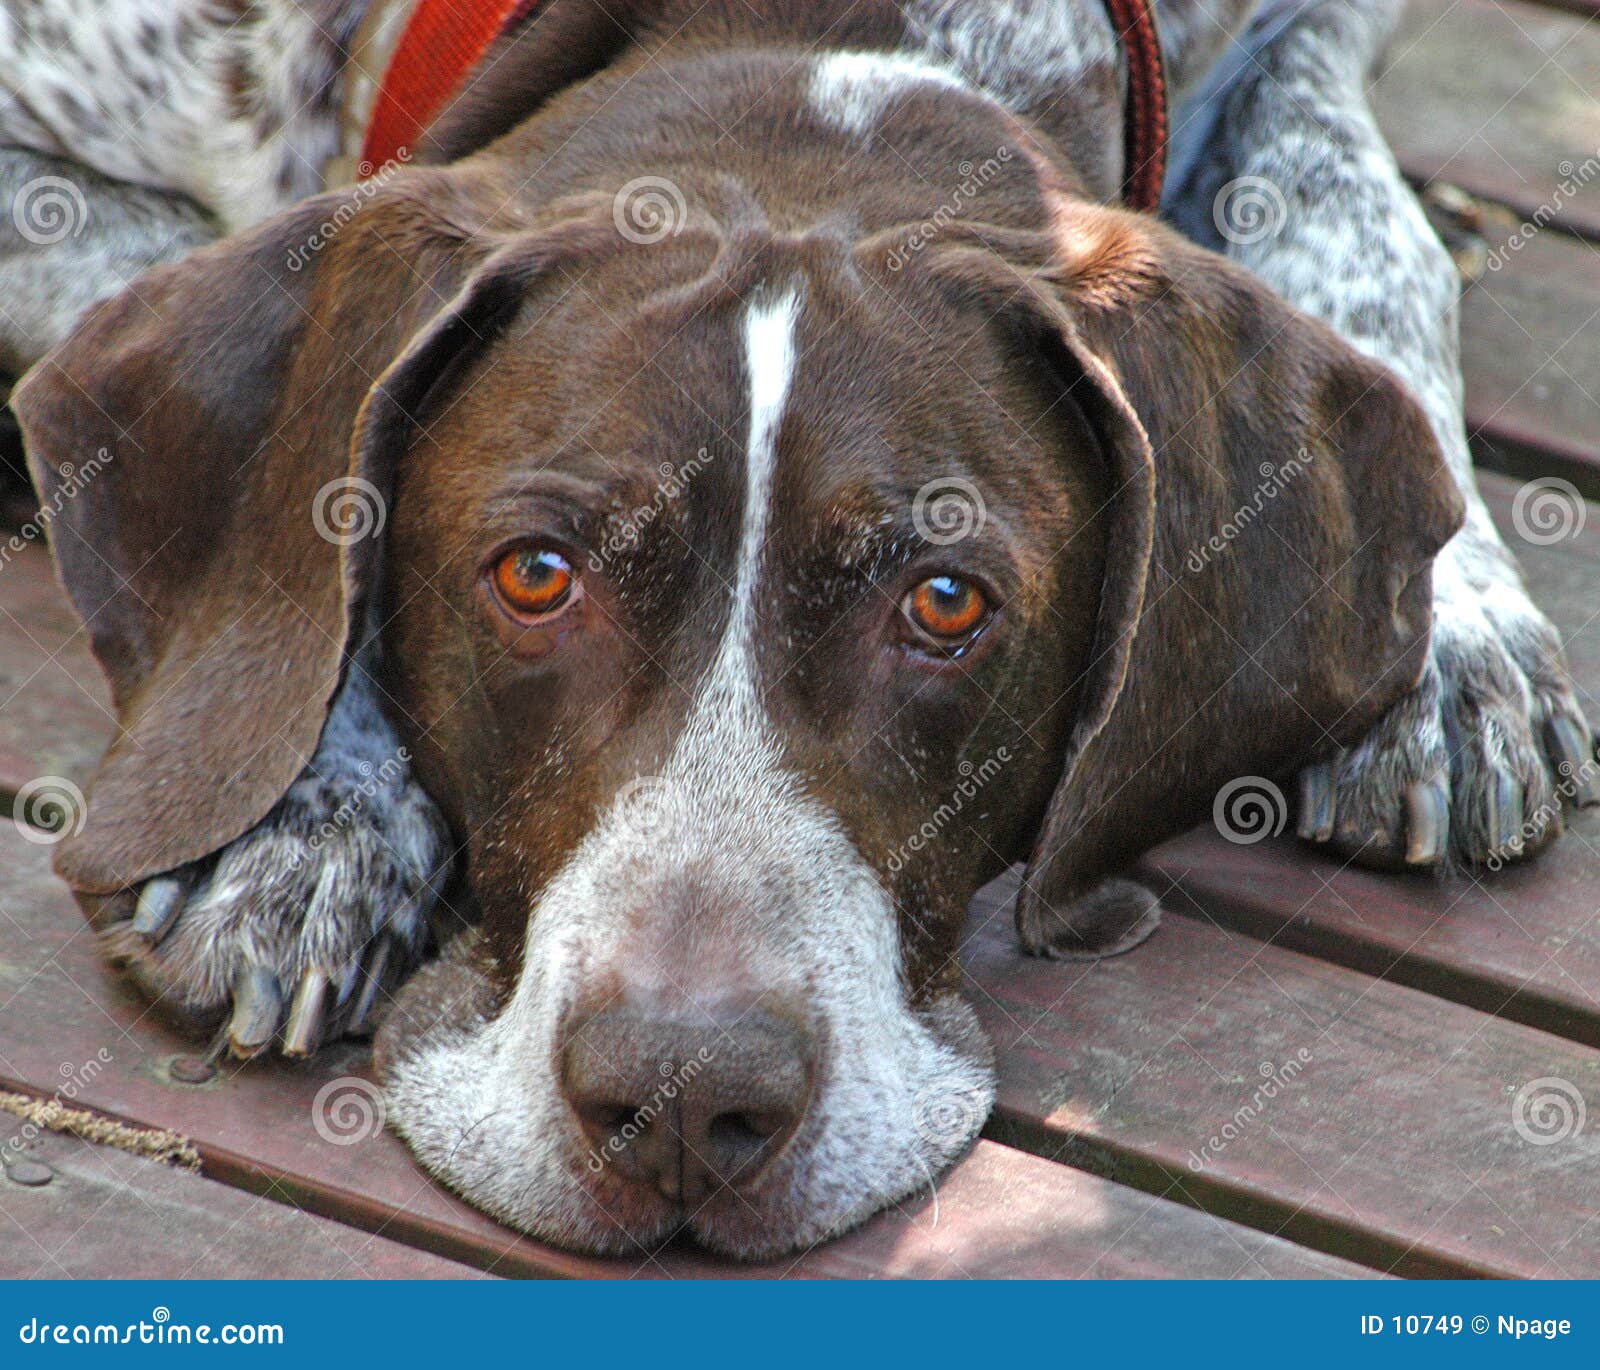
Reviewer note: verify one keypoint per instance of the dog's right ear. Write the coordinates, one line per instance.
(191, 447)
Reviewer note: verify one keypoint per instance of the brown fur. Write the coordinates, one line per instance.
(480, 345)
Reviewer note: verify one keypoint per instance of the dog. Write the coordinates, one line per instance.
(743, 485)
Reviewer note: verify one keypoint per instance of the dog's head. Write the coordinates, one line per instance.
(753, 586)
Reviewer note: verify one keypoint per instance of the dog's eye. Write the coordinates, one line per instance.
(534, 582)
(946, 611)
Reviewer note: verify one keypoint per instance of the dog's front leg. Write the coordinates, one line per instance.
(1281, 165)
(306, 920)
(70, 237)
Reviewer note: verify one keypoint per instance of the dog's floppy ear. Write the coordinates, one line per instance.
(1268, 584)
(192, 444)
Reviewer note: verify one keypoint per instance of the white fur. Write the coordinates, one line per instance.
(853, 89)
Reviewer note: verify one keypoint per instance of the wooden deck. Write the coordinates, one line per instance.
(1397, 1019)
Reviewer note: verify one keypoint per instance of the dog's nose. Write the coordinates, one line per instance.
(686, 1109)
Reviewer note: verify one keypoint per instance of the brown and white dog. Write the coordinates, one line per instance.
(794, 493)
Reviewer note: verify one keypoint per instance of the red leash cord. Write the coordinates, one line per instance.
(1144, 130)
(445, 41)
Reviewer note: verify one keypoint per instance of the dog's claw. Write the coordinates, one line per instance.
(370, 979)
(1505, 816)
(1427, 822)
(159, 902)
(257, 1007)
(1316, 802)
(1573, 753)
(302, 1033)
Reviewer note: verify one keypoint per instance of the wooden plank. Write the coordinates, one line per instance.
(1524, 943)
(1530, 364)
(55, 713)
(1000, 1213)
(1499, 98)
(104, 1214)
(1389, 1130)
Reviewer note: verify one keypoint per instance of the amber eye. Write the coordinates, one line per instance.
(948, 610)
(533, 582)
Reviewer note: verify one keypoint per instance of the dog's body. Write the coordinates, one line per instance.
(690, 795)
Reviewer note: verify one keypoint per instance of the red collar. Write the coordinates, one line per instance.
(446, 39)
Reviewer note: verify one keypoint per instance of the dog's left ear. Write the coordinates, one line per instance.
(213, 450)
(1276, 502)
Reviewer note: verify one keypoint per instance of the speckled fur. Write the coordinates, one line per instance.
(354, 849)
(1353, 247)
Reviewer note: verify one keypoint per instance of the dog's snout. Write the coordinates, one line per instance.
(683, 1108)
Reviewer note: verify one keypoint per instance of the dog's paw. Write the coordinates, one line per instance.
(300, 923)
(1472, 768)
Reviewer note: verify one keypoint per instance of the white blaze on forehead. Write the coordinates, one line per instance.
(769, 347)
(852, 89)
